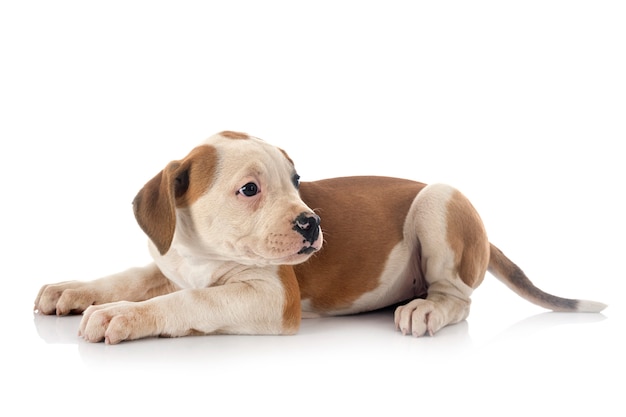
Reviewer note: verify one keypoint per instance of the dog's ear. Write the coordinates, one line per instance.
(155, 204)
(178, 185)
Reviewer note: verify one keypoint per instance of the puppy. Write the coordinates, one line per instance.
(239, 248)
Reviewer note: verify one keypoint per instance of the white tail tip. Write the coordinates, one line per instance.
(585, 306)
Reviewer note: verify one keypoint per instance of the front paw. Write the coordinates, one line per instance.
(116, 322)
(71, 297)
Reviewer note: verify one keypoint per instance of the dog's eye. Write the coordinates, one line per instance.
(296, 180)
(249, 190)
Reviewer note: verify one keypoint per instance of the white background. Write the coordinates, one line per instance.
(521, 105)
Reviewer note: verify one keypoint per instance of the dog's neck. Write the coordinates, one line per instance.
(191, 271)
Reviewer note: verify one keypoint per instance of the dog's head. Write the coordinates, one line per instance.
(235, 197)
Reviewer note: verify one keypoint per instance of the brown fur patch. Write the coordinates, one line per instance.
(200, 166)
(468, 239)
(362, 221)
(234, 135)
(292, 312)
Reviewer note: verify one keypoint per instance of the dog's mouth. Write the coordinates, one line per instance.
(281, 248)
(303, 253)
(306, 250)
(298, 257)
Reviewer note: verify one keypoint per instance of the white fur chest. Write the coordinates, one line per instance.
(189, 271)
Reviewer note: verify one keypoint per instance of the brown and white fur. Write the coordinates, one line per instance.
(237, 248)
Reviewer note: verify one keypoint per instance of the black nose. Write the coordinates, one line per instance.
(308, 225)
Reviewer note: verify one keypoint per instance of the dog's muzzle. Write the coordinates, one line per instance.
(308, 225)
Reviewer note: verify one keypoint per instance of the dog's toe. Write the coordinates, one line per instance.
(74, 301)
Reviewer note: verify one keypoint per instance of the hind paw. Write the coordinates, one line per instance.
(419, 317)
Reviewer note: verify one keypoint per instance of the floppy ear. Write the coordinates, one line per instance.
(178, 185)
(155, 204)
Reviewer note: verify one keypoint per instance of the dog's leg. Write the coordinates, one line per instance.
(257, 302)
(454, 258)
(73, 297)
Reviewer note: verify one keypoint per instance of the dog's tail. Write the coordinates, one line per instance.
(510, 274)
